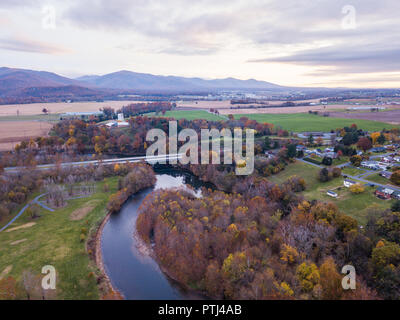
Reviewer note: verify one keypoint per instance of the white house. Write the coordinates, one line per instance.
(348, 183)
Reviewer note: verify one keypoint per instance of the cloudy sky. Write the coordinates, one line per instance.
(335, 43)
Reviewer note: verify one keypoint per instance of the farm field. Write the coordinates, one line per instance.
(13, 132)
(356, 206)
(309, 122)
(58, 107)
(226, 104)
(390, 116)
(190, 115)
(54, 239)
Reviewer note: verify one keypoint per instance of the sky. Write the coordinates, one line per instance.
(323, 43)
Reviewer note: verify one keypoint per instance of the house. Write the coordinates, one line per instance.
(396, 195)
(386, 174)
(332, 194)
(378, 149)
(384, 193)
(387, 159)
(373, 165)
(332, 155)
(348, 183)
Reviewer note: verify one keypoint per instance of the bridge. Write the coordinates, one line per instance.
(149, 159)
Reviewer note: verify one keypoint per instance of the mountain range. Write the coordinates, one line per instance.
(143, 81)
(31, 84)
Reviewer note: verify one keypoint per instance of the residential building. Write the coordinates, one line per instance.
(348, 183)
(386, 174)
(384, 193)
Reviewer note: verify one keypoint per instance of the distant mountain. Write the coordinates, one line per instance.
(23, 86)
(13, 80)
(143, 81)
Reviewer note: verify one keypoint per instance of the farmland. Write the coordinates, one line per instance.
(14, 132)
(309, 122)
(191, 115)
(59, 107)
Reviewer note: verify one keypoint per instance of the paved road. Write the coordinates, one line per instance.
(34, 201)
(151, 159)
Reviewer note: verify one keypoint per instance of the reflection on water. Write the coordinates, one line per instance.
(134, 275)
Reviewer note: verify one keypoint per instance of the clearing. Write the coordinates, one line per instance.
(80, 213)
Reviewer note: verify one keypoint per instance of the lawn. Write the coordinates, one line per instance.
(54, 240)
(190, 115)
(355, 206)
(378, 179)
(352, 171)
(300, 122)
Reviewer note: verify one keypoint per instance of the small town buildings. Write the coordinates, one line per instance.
(348, 183)
(384, 193)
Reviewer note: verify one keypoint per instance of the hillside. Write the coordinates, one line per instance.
(143, 81)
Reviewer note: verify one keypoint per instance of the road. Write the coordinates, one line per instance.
(359, 177)
(34, 201)
(150, 159)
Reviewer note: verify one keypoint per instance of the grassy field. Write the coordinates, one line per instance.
(54, 240)
(308, 122)
(355, 206)
(352, 171)
(38, 117)
(378, 179)
(190, 115)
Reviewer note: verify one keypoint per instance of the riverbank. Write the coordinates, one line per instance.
(94, 246)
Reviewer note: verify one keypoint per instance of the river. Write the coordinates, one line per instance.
(135, 275)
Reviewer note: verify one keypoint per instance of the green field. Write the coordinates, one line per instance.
(54, 240)
(299, 122)
(190, 115)
(355, 206)
(378, 179)
(352, 171)
(39, 117)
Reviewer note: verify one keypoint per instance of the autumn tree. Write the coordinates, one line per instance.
(364, 143)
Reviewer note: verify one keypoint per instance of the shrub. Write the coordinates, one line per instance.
(357, 188)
